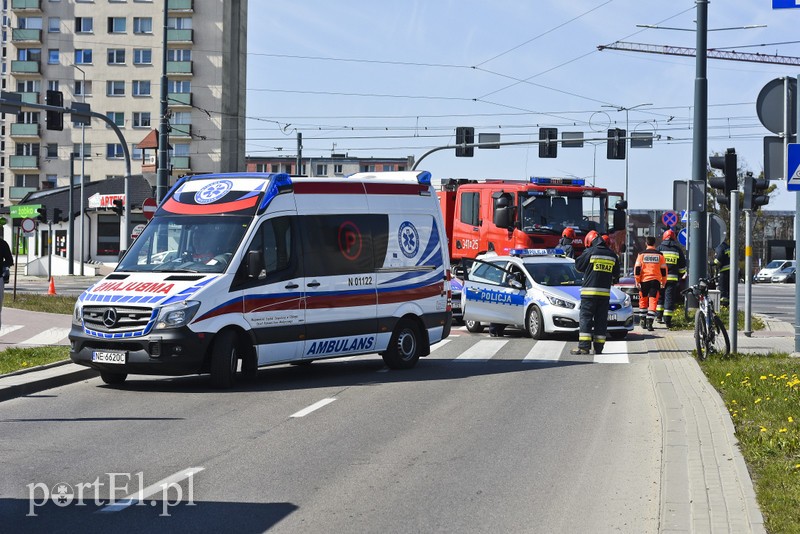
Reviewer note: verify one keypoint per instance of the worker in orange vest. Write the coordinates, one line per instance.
(650, 273)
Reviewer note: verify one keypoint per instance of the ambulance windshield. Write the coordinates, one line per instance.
(551, 214)
(196, 243)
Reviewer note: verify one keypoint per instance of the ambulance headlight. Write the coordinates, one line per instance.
(561, 303)
(77, 313)
(177, 315)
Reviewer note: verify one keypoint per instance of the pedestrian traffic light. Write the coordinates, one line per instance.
(42, 215)
(465, 135)
(548, 145)
(755, 192)
(118, 209)
(616, 144)
(729, 180)
(56, 215)
(55, 119)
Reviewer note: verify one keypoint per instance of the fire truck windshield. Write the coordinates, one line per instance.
(551, 214)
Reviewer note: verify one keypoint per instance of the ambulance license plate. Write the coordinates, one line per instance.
(612, 316)
(108, 356)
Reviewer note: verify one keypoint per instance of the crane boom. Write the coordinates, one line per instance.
(730, 55)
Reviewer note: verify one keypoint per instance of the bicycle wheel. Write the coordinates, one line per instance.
(722, 343)
(701, 335)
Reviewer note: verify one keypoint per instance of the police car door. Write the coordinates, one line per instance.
(490, 296)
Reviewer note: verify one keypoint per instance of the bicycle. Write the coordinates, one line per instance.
(710, 335)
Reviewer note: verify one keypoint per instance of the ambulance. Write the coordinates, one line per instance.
(239, 271)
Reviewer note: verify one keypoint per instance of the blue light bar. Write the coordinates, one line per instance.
(278, 184)
(424, 178)
(536, 252)
(557, 181)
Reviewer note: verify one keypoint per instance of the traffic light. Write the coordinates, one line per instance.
(549, 148)
(465, 135)
(118, 208)
(56, 215)
(755, 192)
(42, 215)
(55, 119)
(616, 144)
(728, 182)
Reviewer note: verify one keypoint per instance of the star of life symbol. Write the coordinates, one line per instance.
(213, 191)
(408, 238)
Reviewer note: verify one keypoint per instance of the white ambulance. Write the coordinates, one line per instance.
(266, 269)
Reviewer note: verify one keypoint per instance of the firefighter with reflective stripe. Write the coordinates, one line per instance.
(722, 261)
(565, 243)
(676, 270)
(600, 268)
(650, 273)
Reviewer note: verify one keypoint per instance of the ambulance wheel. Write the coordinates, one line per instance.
(113, 378)
(474, 326)
(224, 357)
(249, 365)
(404, 347)
(534, 324)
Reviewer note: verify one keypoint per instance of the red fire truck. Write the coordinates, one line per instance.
(500, 215)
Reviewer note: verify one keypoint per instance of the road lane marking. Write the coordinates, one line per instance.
(440, 344)
(482, 350)
(313, 407)
(51, 336)
(8, 328)
(142, 494)
(613, 352)
(546, 350)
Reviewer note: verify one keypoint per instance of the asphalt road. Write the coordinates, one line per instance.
(774, 300)
(475, 439)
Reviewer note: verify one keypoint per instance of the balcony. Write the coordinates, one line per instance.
(25, 35)
(20, 67)
(181, 130)
(180, 162)
(19, 129)
(180, 36)
(26, 5)
(18, 193)
(180, 5)
(179, 68)
(179, 99)
(23, 162)
(30, 98)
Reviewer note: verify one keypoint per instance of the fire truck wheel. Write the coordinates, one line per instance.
(534, 324)
(474, 326)
(224, 358)
(404, 348)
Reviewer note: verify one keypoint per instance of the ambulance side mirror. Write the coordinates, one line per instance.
(255, 264)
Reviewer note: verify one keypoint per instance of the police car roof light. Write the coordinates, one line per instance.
(557, 181)
(536, 252)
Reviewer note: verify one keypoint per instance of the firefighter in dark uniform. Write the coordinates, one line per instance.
(676, 265)
(722, 261)
(565, 243)
(600, 268)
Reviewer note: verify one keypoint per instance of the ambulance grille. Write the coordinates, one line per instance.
(115, 318)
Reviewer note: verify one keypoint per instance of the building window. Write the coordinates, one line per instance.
(52, 56)
(29, 54)
(83, 88)
(337, 169)
(387, 167)
(53, 85)
(180, 149)
(114, 151)
(29, 23)
(142, 56)
(83, 56)
(117, 117)
(84, 25)
(116, 56)
(368, 168)
(115, 88)
(52, 150)
(141, 119)
(179, 23)
(179, 54)
(28, 86)
(107, 235)
(54, 25)
(116, 24)
(87, 150)
(141, 87)
(179, 86)
(142, 25)
(322, 169)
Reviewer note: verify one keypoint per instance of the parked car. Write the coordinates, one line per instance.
(785, 276)
(772, 268)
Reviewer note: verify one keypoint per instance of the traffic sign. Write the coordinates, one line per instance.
(137, 230)
(28, 225)
(683, 236)
(783, 4)
(793, 183)
(684, 216)
(149, 208)
(670, 218)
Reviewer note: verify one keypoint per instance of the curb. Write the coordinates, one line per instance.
(35, 385)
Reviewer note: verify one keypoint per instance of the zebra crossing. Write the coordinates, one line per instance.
(32, 336)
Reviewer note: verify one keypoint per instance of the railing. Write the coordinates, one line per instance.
(25, 67)
(21, 129)
(18, 193)
(26, 5)
(181, 130)
(180, 5)
(26, 35)
(179, 99)
(30, 98)
(180, 162)
(179, 36)
(179, 67)
(23, 162)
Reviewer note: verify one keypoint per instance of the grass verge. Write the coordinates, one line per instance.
(762, 394)
(15, 359)
(63, 304)
(679, 322)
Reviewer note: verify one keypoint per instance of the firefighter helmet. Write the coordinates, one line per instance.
(591, 236)
(669, 234)
(568, 232)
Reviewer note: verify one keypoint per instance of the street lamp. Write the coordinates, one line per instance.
(83, 170)
(626, 261)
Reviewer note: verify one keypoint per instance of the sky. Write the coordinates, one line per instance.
(395, 79)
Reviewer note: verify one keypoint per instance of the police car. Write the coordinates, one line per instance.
(537, 290)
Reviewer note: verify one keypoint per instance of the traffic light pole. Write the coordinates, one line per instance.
(748, 269)
(733, 282)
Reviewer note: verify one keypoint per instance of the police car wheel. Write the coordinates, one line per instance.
(534, 323)
(224, 358)
(404, 348)
(618, 335)
(474, 326)
(113, 378)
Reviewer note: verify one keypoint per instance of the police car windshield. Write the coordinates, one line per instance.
(554, 274)
(551, 214)
(195, 243)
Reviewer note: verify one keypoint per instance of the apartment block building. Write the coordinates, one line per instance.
(335, 165)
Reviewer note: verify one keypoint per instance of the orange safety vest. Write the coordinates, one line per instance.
(650, 265)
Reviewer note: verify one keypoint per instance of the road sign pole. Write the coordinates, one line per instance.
(733, 295)
(748, 270)
(796, 242)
